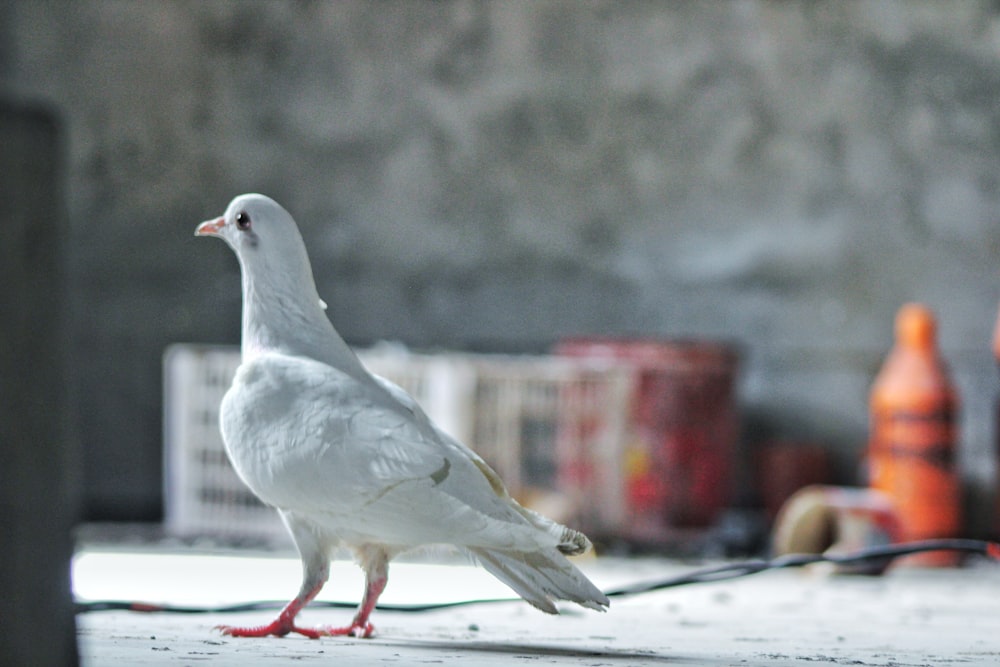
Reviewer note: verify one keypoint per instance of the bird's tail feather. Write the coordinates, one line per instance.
(541, 577)
(571, 542)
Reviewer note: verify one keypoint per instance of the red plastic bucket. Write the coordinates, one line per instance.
(678, 462)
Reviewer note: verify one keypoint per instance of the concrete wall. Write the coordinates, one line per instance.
(494, 176)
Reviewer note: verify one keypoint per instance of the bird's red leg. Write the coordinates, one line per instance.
(361, 626)
(376, 566)
(280, 626)
(315, 572)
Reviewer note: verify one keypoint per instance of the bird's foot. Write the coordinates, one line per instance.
(361, 630)
(279, 628)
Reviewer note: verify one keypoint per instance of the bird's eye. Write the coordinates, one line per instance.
(242, 221)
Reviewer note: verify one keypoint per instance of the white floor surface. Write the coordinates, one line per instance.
(907, 618)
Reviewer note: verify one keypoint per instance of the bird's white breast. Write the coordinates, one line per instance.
(276, 424)
(305, 436)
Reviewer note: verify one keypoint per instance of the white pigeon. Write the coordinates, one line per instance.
(348, 458)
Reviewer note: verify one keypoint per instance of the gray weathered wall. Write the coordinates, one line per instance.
(497, 175)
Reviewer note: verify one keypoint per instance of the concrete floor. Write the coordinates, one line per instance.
(907, 618)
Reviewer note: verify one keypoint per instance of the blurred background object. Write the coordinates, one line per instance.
(829, 519)
(532, 418)
(996, 434)
(497, 177)
(627, 440)
(913, 437)
(678, 458)
(782, 467)
(39, 468)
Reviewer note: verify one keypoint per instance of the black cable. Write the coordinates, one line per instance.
(867, 555)
(144, 607)
(883, 553)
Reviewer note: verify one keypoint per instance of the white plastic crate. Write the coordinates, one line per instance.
(202, 493)
(553, 428)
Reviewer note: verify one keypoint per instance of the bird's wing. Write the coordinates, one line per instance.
(360, 458)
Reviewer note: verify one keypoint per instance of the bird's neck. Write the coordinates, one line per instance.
(284, 315)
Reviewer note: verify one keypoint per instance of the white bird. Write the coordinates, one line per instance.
(348, 458)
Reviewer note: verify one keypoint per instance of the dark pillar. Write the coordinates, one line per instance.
(37, 459)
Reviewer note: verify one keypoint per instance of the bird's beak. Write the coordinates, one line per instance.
(211, 227)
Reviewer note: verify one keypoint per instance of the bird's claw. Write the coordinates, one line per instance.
(279, 629)
(360, 630)
(275, 629)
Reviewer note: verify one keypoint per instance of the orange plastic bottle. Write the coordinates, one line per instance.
(913, 435)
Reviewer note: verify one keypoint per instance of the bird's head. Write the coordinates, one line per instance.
(281, 308)
(254, 224)
(267, 243)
